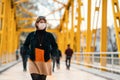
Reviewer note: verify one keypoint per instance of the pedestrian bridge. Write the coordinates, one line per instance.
(78, 71)
(91, 27)
(75, 73)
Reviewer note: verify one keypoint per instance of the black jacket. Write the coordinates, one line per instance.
(49, 45)
(68, 52)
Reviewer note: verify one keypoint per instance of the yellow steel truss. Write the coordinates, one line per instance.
(116, 12)
(8, 31)
(103, 43)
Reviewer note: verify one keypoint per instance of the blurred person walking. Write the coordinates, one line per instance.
(56, 59)
(17, 54)
(24, 56)
(68, 53)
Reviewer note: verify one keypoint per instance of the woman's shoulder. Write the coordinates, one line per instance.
(31, 33)
(49, 33)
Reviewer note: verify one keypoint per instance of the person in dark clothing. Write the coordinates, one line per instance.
(39, 45)
(56, 60)
(53, 62)
(68, 53)
(17, 54)
(24, 58)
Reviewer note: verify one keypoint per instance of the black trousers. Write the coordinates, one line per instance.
(38, 77)
(24, 60)
(56, 61)
(68, 61)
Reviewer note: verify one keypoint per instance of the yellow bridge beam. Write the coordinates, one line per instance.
(21, 1)
(103, 41)
(7, 47)
(116, 17)
(88, 37)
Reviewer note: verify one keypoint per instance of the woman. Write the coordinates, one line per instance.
(39, 44)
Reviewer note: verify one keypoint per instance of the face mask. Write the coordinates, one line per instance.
(42, 26)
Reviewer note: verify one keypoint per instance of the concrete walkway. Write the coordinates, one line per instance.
(75, 73)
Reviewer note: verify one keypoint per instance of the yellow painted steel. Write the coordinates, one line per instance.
(66, 37)
(22, 18)
(26, 11)
(21, 1)
(8, 32)
(116, 16)
(61, 35)
(88, 37)
(26, 24)
(59, 2)
(95, 25)
(88, 46)
(79, 20)
(103, 40)
(77, 33)
(72, 42)
(1, 16)
(63, 31)
(2, 43)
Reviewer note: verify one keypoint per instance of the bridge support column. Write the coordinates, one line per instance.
(103, 41)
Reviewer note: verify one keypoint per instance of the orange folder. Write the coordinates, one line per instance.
(39, 55)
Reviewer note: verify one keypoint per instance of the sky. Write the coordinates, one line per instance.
(56, 15)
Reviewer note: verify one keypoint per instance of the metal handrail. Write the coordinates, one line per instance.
(112, 60)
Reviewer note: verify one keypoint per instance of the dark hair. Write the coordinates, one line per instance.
(68, 45)
(40, 18)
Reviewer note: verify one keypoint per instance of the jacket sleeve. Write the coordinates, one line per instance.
(53, 45)
(27, 43)
(21, 50)
(66, 52)
(60, 53)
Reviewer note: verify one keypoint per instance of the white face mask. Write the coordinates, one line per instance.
(42, 26)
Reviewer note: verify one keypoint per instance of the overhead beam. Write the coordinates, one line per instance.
(59, 2)
(26, 11)
(34, 18)
(26, 24)
(55, 10)
(21, 1)
(63, 17)
(22, 18)
(26, 30)
(33, 29)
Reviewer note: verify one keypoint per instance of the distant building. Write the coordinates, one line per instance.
(111, 43)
